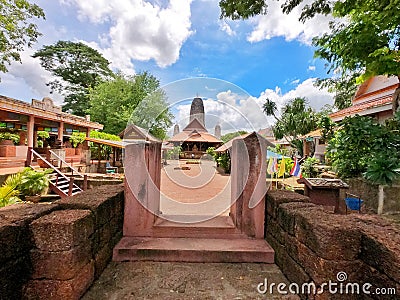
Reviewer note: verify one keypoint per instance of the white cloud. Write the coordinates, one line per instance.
(295, 82)
(31, 76)
(317, 98)
(140, 30)
(230, 110)
(226, 28)
(244, 112)
(311, 68)
(275, 23)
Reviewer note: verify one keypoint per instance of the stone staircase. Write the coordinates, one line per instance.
(60, 184)
(214, 240)
(194, 250)
(237, 237)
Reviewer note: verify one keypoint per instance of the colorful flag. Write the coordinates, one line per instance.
(275, 165)
(296, 170)
(270, 168)
(282, 167)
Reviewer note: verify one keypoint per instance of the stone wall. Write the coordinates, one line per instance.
(56, 251)
(314, 245)
(370, 194)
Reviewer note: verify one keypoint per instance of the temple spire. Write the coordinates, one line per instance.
(197, 110)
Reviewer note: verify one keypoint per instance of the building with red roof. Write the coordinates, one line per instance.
(373, 98)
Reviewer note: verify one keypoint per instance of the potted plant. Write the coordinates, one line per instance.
(9, 139)
(34, 184)
(42, 136)
(76, 139)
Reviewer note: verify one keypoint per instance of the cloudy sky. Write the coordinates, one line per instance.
(182, 42)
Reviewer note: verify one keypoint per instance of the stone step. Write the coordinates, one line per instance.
(201, 250)
(12, 163)
(186, 226)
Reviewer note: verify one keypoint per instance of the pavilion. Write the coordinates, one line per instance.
(26, 120)
(194, 139)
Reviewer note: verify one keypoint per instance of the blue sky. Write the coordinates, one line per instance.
(267, 56)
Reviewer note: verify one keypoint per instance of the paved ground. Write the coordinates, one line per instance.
(201, 190)
(198, 191)
(156, 280)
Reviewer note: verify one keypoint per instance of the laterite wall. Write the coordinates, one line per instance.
(56, 251)
(314, 245)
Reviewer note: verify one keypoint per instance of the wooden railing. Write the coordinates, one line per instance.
(66, 164)
(32, 152)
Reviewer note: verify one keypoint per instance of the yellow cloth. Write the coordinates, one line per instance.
(282, 167)
(270, 168)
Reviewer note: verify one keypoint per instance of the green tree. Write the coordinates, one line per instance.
(78, 69)
(363, 147)
(227, 137)
(367, 43)
(244, 9)
(270, 108)
(344, 88)
(17, 31)
(137, 99)
(297, 119)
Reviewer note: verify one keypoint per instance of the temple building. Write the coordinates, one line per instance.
(194, 138)
(26, 120)
(373, 98)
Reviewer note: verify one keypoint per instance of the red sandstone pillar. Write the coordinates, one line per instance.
(248, 177)
(30, 131)
(61, 131)
(142, 165)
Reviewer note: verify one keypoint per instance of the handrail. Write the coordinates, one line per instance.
(49, 164)
(68, 165)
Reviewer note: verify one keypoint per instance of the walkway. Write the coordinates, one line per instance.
(201, 190)
(195, 192)
(163, 281)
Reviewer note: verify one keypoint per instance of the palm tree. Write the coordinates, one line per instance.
(269, 108)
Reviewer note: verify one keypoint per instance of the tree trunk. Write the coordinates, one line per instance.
(381, 199)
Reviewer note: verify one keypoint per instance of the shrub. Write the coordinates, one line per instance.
(308, 168)
(33, 182)
(9, 194)
(362, 147)
(9, 136)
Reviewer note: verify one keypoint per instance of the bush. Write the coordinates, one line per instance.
(224, 162)
(9, 136)
(33, 182)
(362, 147)
(308, 168)
(174, 153)
(77, 138)
(9, 194)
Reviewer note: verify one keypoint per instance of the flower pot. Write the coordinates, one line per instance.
(6, 143)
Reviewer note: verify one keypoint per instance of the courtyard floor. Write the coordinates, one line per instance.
(200, 190)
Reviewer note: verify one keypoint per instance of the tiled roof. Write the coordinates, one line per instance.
(194, 136)
(360, 107)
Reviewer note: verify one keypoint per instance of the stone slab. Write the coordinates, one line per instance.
(72, 289)
(62, 230)
(193, 250)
